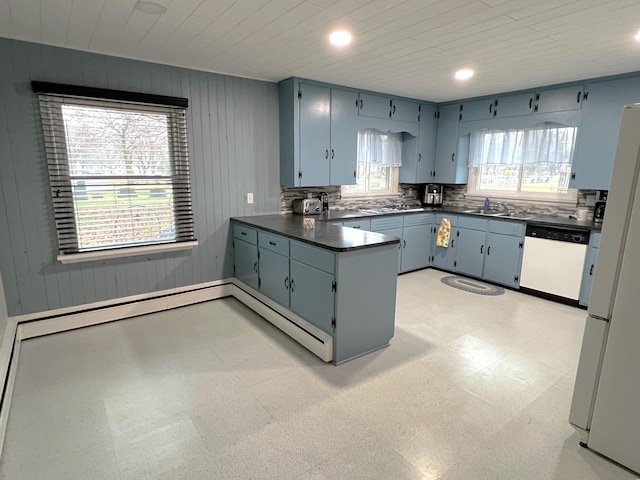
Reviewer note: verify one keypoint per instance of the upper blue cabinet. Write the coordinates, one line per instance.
(559, 99)
(318, 134)
(387, 107)
(478, 110)
(418, 154)
(598, 134)
(450, 164)
(515, 105)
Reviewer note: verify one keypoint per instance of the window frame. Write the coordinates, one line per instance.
(392, 191)
(52, 97)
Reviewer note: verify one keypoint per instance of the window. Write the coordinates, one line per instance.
(525, 164)
(379, 158)
(119, 174)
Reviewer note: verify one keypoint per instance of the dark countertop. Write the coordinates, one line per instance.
(324, 234)
(557, 221)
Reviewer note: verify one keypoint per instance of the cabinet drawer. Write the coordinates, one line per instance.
(418, 219)
(275, 243)
(360, 224)
(506, 228)
(315, 257)
(452, 218)
(386, 223)
(595, 240)
(473, 223)
(247, 234)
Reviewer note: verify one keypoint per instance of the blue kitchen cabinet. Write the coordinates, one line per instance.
(404, 110)
(589, 269)
(360, 224)
(478, 110)
(419, 154)
(445, 257)
(312, 295)
(245, 262)
(449, 168)
(376, 106)
(344, 137)
(559, 99)
(274, 276)
(318, 134)
(315, 135)
(415, 248)
(470, 245)
(390, 225)
(598, 133)
(503, 258)
(515, 105)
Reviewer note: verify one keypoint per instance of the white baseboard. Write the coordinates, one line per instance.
(24, 327)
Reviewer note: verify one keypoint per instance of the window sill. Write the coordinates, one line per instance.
(125, 252)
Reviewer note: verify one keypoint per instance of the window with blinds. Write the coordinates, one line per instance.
(119, 171)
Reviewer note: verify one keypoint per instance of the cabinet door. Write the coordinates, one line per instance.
(274, 276)
(404, 110)
(396, 232)
(359, 224)
(344, 137)
(503, 259)
(312, 296)
(245, 262)
(426, 144)
(515, 105)
(478, 110)
(559, 99)
(445, 257)
(470, 245)
(415, 248)
(315, 105)
(447, 143)
(374, 106)
(598, 132)
(587, 276)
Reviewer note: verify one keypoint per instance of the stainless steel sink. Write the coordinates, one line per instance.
(485, 213)
(493, 213)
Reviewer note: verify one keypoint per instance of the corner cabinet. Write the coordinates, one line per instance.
(318, 134)
(419, 154)
(449, 168)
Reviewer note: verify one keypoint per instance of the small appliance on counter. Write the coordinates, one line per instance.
(432, 195)
(307, 206)
(598, 210)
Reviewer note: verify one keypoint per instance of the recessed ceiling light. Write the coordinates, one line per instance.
(637, 36)
(152, 8)
(340, 38)
(464, 74)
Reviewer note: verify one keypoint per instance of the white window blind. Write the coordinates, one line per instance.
(119, 172)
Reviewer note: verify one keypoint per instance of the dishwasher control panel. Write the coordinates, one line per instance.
(558, 234)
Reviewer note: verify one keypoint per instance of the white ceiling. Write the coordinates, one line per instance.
(404, 47)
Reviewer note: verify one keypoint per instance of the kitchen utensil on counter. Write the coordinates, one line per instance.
(432, 195)
(307, 206)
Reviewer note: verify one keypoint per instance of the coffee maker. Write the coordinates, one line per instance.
(598, 211)
(432, 195)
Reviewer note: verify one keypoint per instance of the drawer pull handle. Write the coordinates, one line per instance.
(286, 282)
(579, 95)
(272, 243)
(481, 248)
(452, 242)
(489, 250)
(404, 244)
(356, 226)
(591, 270)
(326, 153)
(292, 285)
(243, 233)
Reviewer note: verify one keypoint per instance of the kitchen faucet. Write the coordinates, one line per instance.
(504, 208)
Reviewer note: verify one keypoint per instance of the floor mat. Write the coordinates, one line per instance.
(470, 285)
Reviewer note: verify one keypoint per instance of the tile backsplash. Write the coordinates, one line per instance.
(455, 196)
(407, 195)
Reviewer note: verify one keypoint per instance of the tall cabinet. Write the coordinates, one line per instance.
(318, 134)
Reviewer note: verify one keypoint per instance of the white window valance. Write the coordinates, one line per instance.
(380, 148)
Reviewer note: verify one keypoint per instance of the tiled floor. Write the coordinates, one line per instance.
(472, 387)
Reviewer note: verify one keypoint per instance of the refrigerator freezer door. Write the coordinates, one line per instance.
(615, 426)
(623, 184)
(584, 392)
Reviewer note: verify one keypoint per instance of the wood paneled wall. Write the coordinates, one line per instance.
(233, 147)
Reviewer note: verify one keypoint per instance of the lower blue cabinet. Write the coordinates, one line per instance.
(274, 276)
(396, 232)
(245, 262)
(503, 258)
(312, 295)
(415, 247)
(470, 251)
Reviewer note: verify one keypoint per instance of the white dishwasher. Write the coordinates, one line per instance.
(553, 260)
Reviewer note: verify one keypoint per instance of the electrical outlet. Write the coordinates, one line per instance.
(249, 198)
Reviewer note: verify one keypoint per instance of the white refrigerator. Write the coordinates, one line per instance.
(606, 398)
